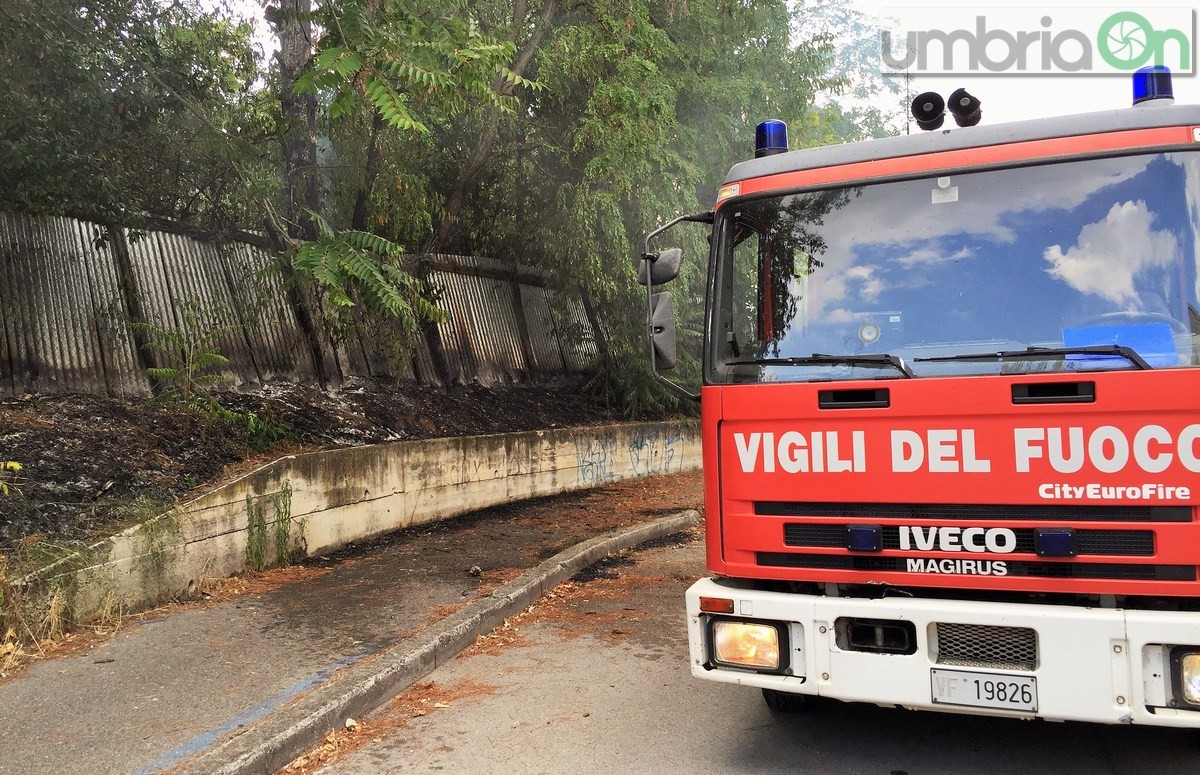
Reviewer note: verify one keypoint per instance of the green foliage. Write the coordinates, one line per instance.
(282, 503)
(7, 469)
(263, 433)
(545, 132)
(387, 70)
(644, 108)
(405, 59)
(256, 536)
(189, 351)
(257, 557)
(353, 265)
(118, 109)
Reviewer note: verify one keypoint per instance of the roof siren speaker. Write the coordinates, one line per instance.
(929, 109)
(964, 108)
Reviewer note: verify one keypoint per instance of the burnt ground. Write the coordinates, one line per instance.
(92, 463)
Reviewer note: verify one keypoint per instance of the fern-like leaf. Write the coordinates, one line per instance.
(207, 359)
(391, 105)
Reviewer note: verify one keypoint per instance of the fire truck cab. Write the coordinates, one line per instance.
(951, 419)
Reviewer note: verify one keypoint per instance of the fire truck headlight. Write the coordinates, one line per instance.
(747, 644)
(1186, 667)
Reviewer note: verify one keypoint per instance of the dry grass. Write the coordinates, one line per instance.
(15, 658)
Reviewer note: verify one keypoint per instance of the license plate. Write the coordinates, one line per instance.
(984, 690)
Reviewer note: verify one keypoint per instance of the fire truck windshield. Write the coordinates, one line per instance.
(1091, 260)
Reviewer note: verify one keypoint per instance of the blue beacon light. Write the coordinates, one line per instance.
(770, 137)
(1152, 83)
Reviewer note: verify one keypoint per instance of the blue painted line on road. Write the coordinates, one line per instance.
(256, 713)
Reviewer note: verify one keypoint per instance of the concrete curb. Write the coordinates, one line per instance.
(274, 742)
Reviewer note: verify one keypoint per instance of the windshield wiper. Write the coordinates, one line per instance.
(821, 359)
(1046, 354)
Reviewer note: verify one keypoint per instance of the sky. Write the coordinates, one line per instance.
(1017, 97)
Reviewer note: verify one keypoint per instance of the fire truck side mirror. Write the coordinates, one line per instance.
(662, 331)
(662, 266)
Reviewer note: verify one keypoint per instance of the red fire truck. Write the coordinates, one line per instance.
(951, 416)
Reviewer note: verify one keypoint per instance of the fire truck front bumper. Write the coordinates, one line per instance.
(1061, 663)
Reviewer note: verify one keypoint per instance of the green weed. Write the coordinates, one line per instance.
(8, 470)
(282, 501)
(189, 353)
(256, 536)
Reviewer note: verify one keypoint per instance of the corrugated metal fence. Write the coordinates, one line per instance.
(71, 291)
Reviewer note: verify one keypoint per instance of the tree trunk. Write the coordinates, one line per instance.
(371, 172)
(299, 160)
(299, 115)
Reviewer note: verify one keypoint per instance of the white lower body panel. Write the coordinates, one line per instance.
(1108, 666)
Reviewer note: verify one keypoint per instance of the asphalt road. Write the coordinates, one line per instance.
(595, 680)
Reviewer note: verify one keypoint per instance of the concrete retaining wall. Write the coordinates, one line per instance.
(310, 504)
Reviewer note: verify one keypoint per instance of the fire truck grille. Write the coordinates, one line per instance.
(916, 564)
(1121, 543)
(1043, 514)
(979, 645)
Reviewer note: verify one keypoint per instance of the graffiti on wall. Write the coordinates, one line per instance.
(655, 451)
(649, 452)
(597, 459)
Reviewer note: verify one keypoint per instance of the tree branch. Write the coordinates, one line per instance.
(483, 145)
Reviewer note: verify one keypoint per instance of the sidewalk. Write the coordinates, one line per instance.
(247, 684)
